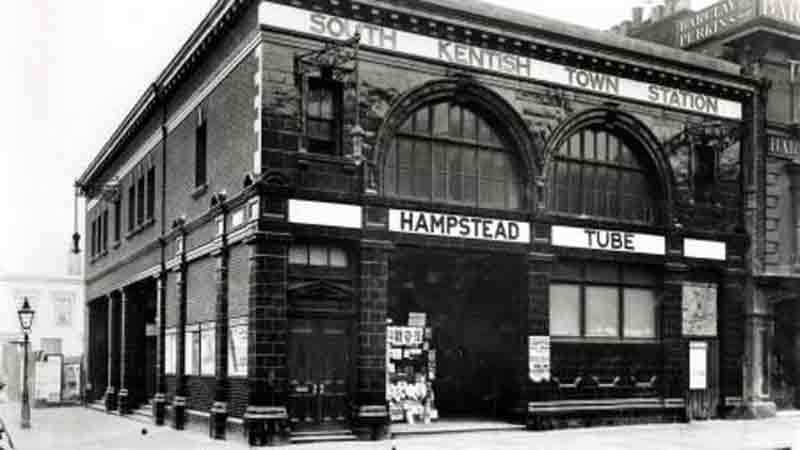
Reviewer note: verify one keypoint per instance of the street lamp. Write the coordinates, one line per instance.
(26, 322)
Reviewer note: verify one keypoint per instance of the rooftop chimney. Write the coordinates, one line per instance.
(638, 15)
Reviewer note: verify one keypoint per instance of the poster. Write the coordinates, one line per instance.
(47, 387)
(72, 382)
(170, 352)
(697, 365)
(237, 351)
(405, 336)
(207, 350)
(539, 358)
(700, 309)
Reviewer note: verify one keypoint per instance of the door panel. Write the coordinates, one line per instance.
(318, 364)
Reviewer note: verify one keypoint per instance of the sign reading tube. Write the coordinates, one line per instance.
(441, 50)
(454, 226)
(612, 241)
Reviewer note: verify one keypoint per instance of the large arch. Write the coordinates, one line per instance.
(474, 95)
(628, 126)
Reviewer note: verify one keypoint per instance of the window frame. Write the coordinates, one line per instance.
(583, 281)
(201, 149)
(336, 89)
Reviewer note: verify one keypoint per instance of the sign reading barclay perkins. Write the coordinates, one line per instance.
(412, 44)
(454, 226)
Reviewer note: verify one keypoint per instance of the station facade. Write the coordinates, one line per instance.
(339, 215)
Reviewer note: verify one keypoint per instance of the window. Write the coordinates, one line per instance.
(237, 347)
(94, 238)
(603, 300)
(118, 219)
(192, 351)
(151, 192)
(318, 256)
(595, 173)
(51, 346)
(63, 311)
(201, 141)
(170, 351)
(323, 129)
(104, 221)
(447, 153)
(208, 335)
(132, 206)
(140, 200)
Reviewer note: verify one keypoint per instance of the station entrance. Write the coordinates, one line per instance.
(456, 334)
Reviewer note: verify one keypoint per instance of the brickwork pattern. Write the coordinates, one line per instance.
(371, 362)
(199, 393)
(731, 334)
(221, 332)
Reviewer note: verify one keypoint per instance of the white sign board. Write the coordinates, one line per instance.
(417, 319)
(455, 226)
(607, 240)
(48, 379)
(441, 50)
(325, 214)
(405, 336)
(698, 367)
(539, 358)
(702, 249)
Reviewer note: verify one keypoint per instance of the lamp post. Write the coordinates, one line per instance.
(26, 322)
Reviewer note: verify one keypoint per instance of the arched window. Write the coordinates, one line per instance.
(445, 152)
(598, 174)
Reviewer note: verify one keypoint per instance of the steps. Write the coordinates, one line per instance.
(143, 413)
(307, 437)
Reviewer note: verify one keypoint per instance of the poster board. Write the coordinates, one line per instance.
(539, 358)
(47, 387)
(72, 382)
(700, 309)
(698, 365)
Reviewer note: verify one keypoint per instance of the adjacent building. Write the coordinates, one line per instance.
(764, 37)
(339, 214)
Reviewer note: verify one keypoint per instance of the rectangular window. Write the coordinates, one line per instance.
(118, 219)
(151, 192)
(318, 256)
(565, 310)
(170, 351)
(140, 198)
(132, 206)
(640, 313)
(192, 353)
(208, 336)
(237, 348)
(105, 230)
(93, 244)
(51, 346)
(200, 147)
(63, 311)
(602, 311)
(323, 129)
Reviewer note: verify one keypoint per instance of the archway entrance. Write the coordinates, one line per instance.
(469, 358)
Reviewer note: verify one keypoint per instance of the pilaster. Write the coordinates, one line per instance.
(160, 399)
(123, 399)
(219, 410)
(113, 349)
(179, 400)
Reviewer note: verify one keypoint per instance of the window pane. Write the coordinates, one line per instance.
(640, 313)
(484, 133)
(470, 131)
(455, 170)
(470, 171)
(298, 254)
(575, 146)
(422, 169)
(338, 257)
(565, 310)
(208, 351)
(441, 121)
(588, 145)
(601, 146)
(602, 311)
(422, 123)
(317, 255)
(439, 174)
(455, 121)
(405, 154)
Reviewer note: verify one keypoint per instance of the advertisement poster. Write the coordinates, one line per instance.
(539, 358)
(700, 309)
(405, 336)
(237, 353)
(697, 365)
(72, 382)
(48, 379)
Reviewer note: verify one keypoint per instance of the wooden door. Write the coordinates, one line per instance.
(318, 365)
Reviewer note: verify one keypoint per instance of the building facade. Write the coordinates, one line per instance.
(339, 214)
(764, 37)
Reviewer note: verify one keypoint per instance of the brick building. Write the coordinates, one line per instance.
(764, 37)
(342, 213)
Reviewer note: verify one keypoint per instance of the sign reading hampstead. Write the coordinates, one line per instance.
(384, 38)
(612, 241)
(454, 226)
(714, 20)
(784, 147)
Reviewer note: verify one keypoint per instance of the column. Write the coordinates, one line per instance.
(123, 395)
(537, 323)
(160, 399)
(758, 326)
(179, 400)
(675, 374)
(219, 411)
(266, 418)
(372, 415)
(111, 397)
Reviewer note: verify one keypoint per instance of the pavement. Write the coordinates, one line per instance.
(81, 428)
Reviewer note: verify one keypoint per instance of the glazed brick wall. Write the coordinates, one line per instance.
(371, 362)
(266, 365)
(239, 281)
(237, 396)
(731, 333)
(201, 291)
(675, 347)
(200, 393)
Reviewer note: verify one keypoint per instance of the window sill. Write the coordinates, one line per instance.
(139, 228)
(199, 191)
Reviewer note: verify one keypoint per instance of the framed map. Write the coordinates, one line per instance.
(699, 309)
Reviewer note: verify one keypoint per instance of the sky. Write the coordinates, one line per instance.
(72, 71)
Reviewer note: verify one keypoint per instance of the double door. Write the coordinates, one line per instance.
(318, 357)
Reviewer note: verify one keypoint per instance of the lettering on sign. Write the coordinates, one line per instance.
(451, 225)
(608, 240)
(539, 358)
(698, 365)
(383, 38)
(783, 10)
(784, 147)
(714, 20)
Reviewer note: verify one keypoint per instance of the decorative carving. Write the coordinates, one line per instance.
(544, 113)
